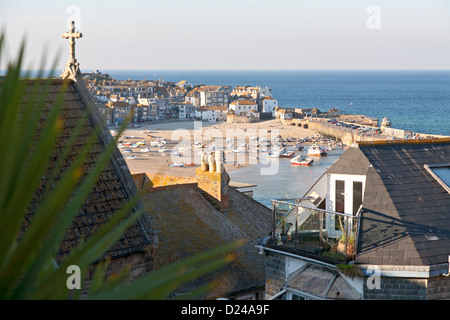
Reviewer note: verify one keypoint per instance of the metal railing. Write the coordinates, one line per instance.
(322, 233)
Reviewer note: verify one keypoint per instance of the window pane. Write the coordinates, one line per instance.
(340, 196)
(443, 173)
(357, 195)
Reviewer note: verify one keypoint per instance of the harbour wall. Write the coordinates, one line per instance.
(351, 137)
(347, 138)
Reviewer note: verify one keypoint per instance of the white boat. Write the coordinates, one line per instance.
(131, 157)
(145, 150)
(158, 143)
(197, 145)
(301, 161)
(162, 149)
(176, 165)
(287, 154)
(316, 151)
(275, 153)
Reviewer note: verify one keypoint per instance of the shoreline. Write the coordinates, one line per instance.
(184, 133)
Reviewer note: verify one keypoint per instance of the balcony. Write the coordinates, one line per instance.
(314, 233)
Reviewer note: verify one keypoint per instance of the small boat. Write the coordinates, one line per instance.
(316, 151)
(301, 161)
(127, 150)
(287, 154)
(176, 165)
(299, 147)
(140, 143)
(162, 149)
(275, 154)
(131, 157)
(197, 145)
(189, 164)
(145, 150)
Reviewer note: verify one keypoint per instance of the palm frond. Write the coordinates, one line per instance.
(39, 199)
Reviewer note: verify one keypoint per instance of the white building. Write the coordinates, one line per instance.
(212, 114)
(242, 107)
(184, 84)
(254, 92)
(268, 105)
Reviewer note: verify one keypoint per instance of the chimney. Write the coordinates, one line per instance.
(213, 180)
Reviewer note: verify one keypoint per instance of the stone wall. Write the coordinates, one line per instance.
(275, 273)
(215, 184)
(438, 288)
(232, 118)
(398, 289)
(347, 138)
(148, 181)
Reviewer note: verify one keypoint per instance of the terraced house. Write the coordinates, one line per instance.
(376, 225)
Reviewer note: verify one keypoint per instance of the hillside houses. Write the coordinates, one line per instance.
(152, 100)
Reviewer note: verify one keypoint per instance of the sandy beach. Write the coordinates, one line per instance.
(181, 135)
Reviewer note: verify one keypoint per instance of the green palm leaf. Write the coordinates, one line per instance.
(31, 128)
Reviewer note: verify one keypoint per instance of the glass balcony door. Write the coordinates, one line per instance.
(345, 196)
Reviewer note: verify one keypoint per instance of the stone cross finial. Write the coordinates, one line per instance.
(72, 67)
(72, 35)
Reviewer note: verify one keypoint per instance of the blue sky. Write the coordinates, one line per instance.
(231, 34)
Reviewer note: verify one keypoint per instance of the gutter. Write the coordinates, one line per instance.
(406, 271)
(299, 257)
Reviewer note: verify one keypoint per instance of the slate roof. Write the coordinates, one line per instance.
(114, 187)
(406, 212)
(189, 225)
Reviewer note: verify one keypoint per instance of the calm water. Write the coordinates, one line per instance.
(290, 181)
(413, 100)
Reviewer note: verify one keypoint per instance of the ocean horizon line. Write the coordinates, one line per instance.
(88, 70)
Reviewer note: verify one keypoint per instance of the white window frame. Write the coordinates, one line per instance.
(430, 167)
(348, 192)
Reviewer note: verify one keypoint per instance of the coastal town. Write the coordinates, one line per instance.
(373, 225)
(150, 105)
(325, 235)
(156, 100)
(148, 101)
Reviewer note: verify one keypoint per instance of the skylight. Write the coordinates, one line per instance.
(441, 172)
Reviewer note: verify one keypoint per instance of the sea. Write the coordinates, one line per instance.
(416, 100)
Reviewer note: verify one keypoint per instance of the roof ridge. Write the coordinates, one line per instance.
(403, 142)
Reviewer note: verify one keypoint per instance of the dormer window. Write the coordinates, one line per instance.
(440, 172)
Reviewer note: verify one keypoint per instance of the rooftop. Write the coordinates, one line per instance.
(115, 185)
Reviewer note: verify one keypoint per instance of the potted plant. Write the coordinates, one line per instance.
(350, 244)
